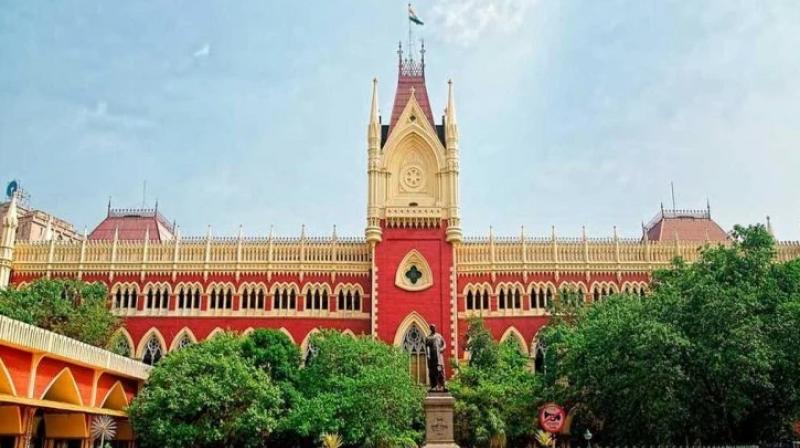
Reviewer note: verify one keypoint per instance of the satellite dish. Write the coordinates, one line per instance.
(12, 188)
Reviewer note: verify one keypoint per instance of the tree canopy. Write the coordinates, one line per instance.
(710, 355)
(206, 395)
(70, 307)
(497, 395)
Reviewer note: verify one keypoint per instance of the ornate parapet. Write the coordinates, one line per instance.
(531, 255)
(204, 255)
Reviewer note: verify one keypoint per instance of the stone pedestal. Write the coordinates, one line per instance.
(439, 420)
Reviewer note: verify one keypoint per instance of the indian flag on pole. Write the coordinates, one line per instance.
(412, 16)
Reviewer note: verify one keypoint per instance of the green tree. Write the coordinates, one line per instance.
(206, 395)
(70, 307)
(497, 395)
(710, 355)
(360, 389)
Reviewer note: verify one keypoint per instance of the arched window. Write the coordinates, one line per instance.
(477, 298)
(541, 297)
(349, 299)
(414, 345)
(509, 297)
(157, 297)
(252, 298)
(120, 345)
(125, 298)
(221, 298)
(285, 298)
(153, 351)
(184, 341)
(317, 298)
(188, 297)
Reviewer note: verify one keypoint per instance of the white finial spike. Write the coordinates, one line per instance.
(208, 232)
(451, 104)
(48, 231)
(334, 231)
(553, 232)
(491, 232)
(85, 232)
(177, 232)
(241, 232)
(373, 111)
(615, 232)
(303, 231)
(522, 233)
(583, 232)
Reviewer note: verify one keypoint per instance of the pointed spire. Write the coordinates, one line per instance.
(553, 232)
(241, 232)
(708, 207)
(270, 236)
(616, 237)
(208, 232)
(583, 233)
(302, 231)
(374, 127)
(450, 112)
(522, 233)
(769, 226)
(334, 236)
(373, 111)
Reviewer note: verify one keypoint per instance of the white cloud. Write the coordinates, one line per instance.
(203, 51)
(466, 21)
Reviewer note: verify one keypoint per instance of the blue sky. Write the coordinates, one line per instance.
(251, 112)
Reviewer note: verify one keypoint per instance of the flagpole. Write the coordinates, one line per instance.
(410, 50)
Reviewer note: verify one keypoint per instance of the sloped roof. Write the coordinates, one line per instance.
(411, 75)
(133, 225)
(686, 225)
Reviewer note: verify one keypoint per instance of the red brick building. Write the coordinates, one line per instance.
(413, 267)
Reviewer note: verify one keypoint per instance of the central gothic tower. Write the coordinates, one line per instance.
(413, 223)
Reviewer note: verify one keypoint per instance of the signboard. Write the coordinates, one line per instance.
(552, 418)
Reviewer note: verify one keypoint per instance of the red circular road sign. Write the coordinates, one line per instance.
(552, 417)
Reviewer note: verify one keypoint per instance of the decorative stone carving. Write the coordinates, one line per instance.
(413, 273)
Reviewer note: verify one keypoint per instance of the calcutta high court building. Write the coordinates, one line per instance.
(412, 268)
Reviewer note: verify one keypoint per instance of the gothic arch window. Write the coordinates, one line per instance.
(509, 297)
(316, 298)
(120, 345)
(125, 297)
(349, 299)
(220, 297)
(188, 297)
(414, 345)
(252, 297)
(285, 298)
(477, 298)
(157, 297)
(184, 341)
(153, 351)
(541, 296)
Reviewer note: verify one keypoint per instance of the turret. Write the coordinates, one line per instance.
(7, 239)
(454, 234)
(373, 232)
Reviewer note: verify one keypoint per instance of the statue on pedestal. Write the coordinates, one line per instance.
(434, 353)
